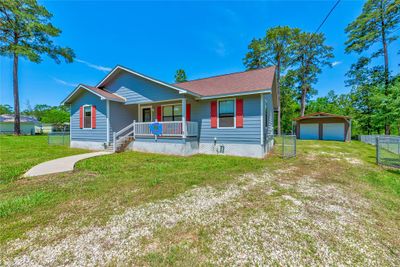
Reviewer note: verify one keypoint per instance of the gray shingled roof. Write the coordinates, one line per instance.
(23, 118)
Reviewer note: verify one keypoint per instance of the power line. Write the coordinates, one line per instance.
(327, 16)
(320, 25)
(323, 22)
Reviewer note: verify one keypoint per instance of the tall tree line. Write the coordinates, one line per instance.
(300, 57)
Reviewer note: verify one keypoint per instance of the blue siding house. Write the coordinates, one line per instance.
(230, 114)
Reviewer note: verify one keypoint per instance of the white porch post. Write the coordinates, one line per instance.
(139, 113)
(184, 126)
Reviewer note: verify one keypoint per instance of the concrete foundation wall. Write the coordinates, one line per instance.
(88, 145)
(243, 150)
(179, 147)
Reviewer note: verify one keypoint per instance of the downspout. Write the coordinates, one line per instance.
(70, 125)
(262, 120)
(108, 121)
(184, 125)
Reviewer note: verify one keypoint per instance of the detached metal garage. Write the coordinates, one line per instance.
(323, 126)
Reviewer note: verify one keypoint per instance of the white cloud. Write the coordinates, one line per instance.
(64, 82)
(231, 15)
(94, 66)
(220, 49)
(335, 63)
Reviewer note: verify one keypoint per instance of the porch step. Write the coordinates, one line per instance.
(110, 148)
(121, 146)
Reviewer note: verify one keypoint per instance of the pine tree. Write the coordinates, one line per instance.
(375, 25)
(256, 57)
(274, 49)
(310, 55)
(180, 76)
(26, 31)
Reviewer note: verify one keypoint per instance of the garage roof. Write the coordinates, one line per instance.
(318, 115)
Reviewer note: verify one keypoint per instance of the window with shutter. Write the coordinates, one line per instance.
(87, 117)
(172, 113)
(226, 113)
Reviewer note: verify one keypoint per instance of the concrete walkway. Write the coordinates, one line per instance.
(61, 165)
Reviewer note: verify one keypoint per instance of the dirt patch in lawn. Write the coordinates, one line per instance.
(288, 217)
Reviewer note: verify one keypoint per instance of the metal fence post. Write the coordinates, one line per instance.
(377, 149)
(295, 145)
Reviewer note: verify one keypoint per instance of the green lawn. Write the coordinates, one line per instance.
(102, 187)
(19, 154)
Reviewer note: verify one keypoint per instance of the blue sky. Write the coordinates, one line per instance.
(157, 38)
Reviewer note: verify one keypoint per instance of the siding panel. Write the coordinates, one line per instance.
(121, 116)
(138, 90)
(99, 134)
(249, 134)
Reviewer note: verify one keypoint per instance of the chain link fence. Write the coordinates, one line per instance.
(58, 138)
(388, 151)
(288, 146)
(369, 139)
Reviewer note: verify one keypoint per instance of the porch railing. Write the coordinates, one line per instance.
(169, 128)
(122, 135)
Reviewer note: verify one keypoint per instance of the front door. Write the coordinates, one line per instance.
(146, 115)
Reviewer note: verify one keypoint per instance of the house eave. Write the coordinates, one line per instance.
(264, 91)
(118, 67)
(321, 117)
(81, 86)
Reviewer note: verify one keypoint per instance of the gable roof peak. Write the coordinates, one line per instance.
(122, 68)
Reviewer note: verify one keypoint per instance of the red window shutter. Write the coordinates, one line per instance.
(81, 117)
(159, 113)
(93, 117)
(239, 113)
(213, 114)
(188, 112)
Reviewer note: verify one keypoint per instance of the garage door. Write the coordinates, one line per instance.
(309, 131)
(333, 131)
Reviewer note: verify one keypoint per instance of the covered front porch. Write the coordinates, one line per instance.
(175, 129)
(158, 124)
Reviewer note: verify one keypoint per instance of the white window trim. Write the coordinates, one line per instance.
(91, 116)
(234, 113)
(172, 104)
(151, 112)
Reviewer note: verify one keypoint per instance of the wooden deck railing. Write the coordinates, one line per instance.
(169, 128)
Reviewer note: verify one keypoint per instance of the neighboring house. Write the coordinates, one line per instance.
(227, 114)
(46, 128)
(323, 126)
(28, 124)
